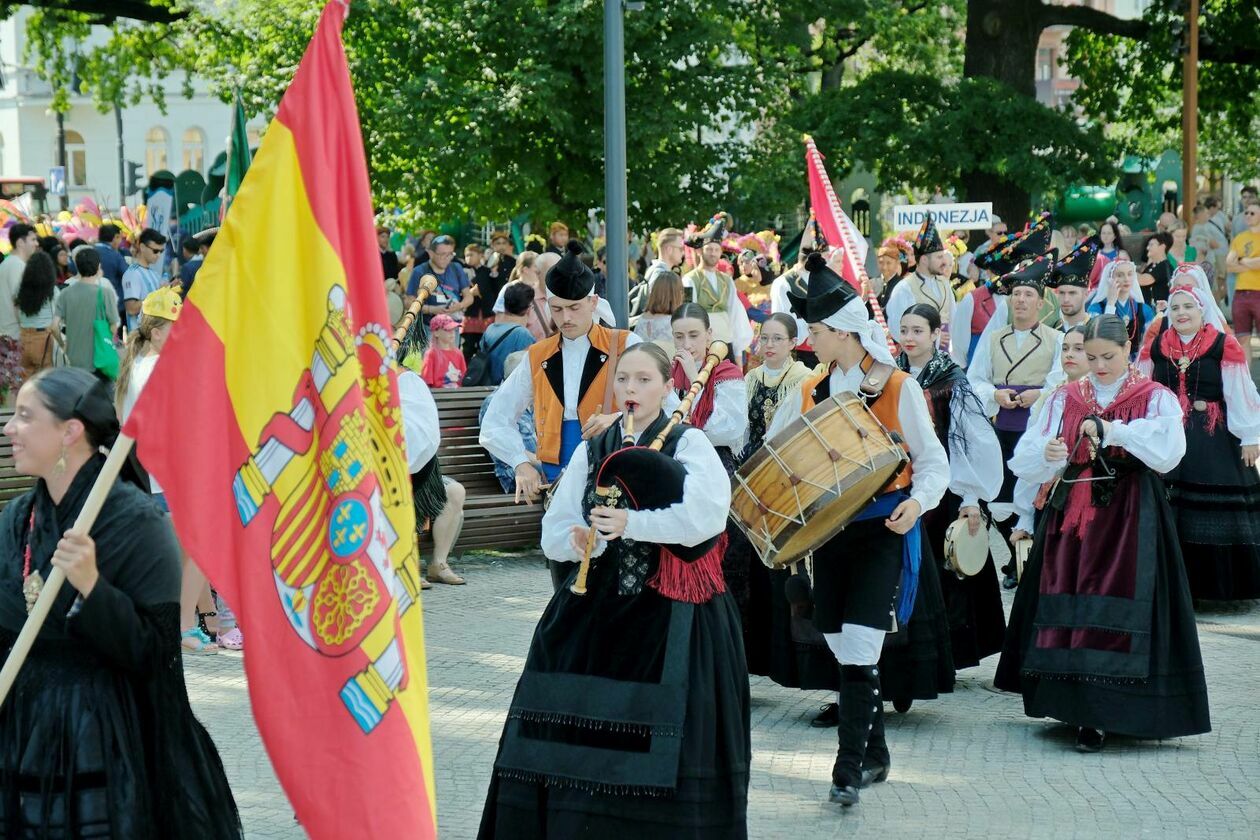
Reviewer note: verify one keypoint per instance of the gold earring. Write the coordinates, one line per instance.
(60, 467)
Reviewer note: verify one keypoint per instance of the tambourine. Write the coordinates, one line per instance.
(965, 554)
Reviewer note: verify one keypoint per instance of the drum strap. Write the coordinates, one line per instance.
(875, 380)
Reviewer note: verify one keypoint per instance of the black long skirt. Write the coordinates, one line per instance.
(917, 662)
(1171, 700)
(973, 605)
(709, 797)
(799, 656)
(1216, 498)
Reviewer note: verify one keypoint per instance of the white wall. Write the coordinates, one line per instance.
(28, 131)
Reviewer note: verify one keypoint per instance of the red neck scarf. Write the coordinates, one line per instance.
(1182, 355)
(702, 408)
(1080, 402)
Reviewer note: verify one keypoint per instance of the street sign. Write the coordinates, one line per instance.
(976, 215)
(57, 180)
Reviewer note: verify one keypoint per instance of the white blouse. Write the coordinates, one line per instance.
(420, 419)
(728, 424)
(976, 472)
(700, 515)
(1157, 440)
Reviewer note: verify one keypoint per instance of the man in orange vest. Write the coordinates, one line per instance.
(858, 573)
(568, 380)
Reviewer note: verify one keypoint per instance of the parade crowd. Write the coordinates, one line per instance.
(1079, 423)
(1065, 412)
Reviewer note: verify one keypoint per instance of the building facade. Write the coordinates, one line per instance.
(188, 136)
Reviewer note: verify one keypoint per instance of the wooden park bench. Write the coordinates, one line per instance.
(491, 519)
(12, 483)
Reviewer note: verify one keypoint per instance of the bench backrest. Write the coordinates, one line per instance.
(12, 483)
(462, 457)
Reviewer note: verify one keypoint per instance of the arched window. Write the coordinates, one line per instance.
(156, 144)
(76, 159)
(195, 149)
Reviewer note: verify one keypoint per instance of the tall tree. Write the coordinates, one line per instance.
(1131, 75)
(491, 108)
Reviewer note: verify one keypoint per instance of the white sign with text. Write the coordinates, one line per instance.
(976, 215)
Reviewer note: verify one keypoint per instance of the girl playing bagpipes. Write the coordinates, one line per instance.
(632, 715)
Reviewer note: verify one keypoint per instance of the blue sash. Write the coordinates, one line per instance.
(971, 348)
(570, 440)
(911, 546)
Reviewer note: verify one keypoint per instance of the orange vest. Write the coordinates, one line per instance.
(884, 408)
(548, 405)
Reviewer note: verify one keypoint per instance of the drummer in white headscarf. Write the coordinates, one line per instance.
(858, 572)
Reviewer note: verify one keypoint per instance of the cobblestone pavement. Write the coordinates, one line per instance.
(966, 765)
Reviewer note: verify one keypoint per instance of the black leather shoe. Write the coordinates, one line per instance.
(873, 776)
(1090, 740)
(846, 796)
(1009, 582)
(827, 717)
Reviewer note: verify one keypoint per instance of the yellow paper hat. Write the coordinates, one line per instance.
(162, 303)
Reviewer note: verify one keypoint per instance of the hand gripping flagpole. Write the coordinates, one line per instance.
(83, 524)
(850, 252)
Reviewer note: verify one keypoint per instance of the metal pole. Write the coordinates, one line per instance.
(1190, 117)
(122, 161)
(61, 159)
(615, 225)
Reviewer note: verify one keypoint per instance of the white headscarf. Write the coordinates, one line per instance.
(852, 318)
(1190, 276)
(1104, 283)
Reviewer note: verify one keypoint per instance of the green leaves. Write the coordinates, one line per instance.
(1134, 87)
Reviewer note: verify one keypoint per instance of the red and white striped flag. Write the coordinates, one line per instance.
(841, 233)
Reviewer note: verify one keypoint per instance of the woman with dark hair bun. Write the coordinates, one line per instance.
(97, 738)
(1103, 634)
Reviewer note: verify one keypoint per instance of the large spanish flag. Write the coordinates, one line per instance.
(272, 422)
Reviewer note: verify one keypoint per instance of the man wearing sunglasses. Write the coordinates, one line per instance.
(1244, 261)
(143, 275)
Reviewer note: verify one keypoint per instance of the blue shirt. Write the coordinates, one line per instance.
(113, 267)
(451, 285)
(188, 273)
(518, 339)
(138, 282)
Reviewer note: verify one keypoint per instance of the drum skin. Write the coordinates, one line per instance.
(808, 482)
(965, 555)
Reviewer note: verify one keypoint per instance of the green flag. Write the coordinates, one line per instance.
(238, 150)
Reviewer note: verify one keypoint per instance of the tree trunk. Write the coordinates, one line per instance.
(1001, 44)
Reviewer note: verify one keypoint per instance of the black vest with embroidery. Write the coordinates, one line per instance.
(636, 561)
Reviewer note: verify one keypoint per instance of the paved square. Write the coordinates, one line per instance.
(966, 765)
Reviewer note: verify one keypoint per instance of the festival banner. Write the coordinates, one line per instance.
(841, 234)
(272, 421)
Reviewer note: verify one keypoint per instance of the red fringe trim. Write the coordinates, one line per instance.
(1130, 404)
(695, 582)
(1079, 511)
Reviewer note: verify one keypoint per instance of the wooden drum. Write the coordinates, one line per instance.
(803, 486)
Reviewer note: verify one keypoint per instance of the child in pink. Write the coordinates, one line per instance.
(444, 365)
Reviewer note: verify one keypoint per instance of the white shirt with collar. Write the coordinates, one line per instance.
(499, 435)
